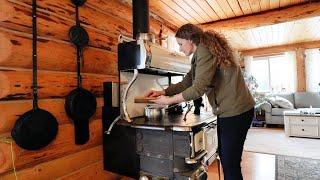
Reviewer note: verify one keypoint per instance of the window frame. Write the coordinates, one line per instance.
(267, 58)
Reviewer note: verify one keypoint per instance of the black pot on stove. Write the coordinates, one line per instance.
(175, 109)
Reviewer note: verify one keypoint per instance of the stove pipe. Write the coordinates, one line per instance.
(140, 11)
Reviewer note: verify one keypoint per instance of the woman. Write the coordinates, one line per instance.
(215, 73)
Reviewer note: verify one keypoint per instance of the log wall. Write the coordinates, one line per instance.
(104, 21)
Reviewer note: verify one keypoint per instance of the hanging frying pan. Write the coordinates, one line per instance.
(36, 128)
(80, 104)
(79, 2)
(77, 34)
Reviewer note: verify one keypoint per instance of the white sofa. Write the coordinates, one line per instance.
(274, 115)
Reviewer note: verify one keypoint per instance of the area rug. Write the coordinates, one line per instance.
(289, 167)
(274, 141)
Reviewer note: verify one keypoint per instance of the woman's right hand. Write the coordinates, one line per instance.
(153, 94)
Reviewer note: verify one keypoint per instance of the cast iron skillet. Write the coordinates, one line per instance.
(36, 128)
(80, 104)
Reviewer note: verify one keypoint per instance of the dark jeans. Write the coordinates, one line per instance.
(232, 132)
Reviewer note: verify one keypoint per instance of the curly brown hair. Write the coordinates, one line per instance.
(214, 41)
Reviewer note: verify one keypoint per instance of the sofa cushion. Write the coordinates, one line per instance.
(278, 111)
(272, 101)
(288, 96)
(307, 99)
(283, 103)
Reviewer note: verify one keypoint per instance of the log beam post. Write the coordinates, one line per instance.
(301, 70)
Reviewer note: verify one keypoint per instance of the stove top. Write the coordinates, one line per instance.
(175, 122)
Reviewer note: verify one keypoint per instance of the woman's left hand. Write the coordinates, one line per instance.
(162, 100)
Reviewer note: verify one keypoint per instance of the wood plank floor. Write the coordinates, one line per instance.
(255, 166)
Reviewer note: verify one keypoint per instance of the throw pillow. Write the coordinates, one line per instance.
(284, 103)
(272, 101)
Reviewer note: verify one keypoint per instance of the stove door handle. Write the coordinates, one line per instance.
(196, 159)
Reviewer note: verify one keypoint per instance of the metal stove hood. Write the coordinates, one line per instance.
(142, 54)
(165, 60)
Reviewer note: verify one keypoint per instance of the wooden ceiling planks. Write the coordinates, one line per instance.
(284, 3)
(255, 6)
(245, 6)
(190, 10)
(246, 41)
(283, 30)
(203, 11)
(315, 27)
(226, 8)
(216, 7)
(303, 30)
(180, 11)
(268, 18)
(195, 6)
(298, 32)
(250, 39)
(275, 35)
(288, 34)
(265, 35)
(207, 8)
(256, 36)
(272, 33)
(234, 4)
(265, 5)
(235, 39)
(274, 4)
(162, 10)
(280, 29)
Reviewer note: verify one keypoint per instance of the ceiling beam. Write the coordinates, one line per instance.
(280, 49)
(291, 13)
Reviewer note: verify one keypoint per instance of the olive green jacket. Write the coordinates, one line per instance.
(224, 87)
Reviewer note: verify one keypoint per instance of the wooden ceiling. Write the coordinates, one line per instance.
(303, 30)
(216, 15)
(180, 12)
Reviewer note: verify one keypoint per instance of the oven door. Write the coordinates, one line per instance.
(204, 145)
(210, 144)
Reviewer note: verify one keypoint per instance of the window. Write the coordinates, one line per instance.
(261, 73)
(274, 74)
(312, 63)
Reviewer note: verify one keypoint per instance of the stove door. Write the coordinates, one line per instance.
(198, 141)
(210, 138)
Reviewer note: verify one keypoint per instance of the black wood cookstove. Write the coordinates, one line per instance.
(171, 148)
(178, 146)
